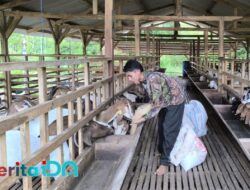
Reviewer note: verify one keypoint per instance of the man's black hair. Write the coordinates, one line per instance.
(132, 65)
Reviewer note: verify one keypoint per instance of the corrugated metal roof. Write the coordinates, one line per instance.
(155, 7)
(129, 7)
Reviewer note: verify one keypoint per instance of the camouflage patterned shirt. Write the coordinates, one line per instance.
(163, 91)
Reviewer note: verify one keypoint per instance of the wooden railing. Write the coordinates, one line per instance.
(233, 74)
(22, 119)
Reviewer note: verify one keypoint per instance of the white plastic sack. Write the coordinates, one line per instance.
(196, 113)
(188, 151)
(196, 156)
(183, 143)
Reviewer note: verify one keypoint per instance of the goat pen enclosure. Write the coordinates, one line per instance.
(85, 84)
(137, 28)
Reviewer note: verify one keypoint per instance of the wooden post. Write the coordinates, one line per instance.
(57, 52)
(86, 83)
(152, 46)
(232, 72)
(109, 51)
(137, 37)
(243, 69)
(58, 34)
(70, 122)
(80, 133)
(84, 42)
(178, 7)
(194, 59)
(198, 53)
(44, 117)
(5, 52)
(190, 52)
(221, 51)
(6, 29)
(25, 146)
(3, 150)
(248, 49)
(148, 42)
(206, 48)
(101, 44)
(27, 78)
(59, 128)
(95, 7)
(120, 80)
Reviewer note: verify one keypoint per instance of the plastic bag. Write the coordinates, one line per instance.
(196, 113)
(188, 151)
(196, 156)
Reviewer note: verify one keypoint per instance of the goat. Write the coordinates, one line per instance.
(213, 84)
(137, 94)
(58, 90)
(202, 78)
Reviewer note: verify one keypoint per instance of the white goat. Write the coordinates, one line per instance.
(213, 84)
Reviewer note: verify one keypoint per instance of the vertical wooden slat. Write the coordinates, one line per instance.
(221, 50)
(198, 53)
(109, 29)
(94, 99)
(95, 7)
(120, 80)
(206, 48)
(59, 128)
(41, 72)
(248, 70)
(194, 60)
(86, 82)
(148, 42)
(243, 68)
(27, 91)
(25, 148)
(79, 116)
(70, 122)
(99, 95)
(137, 37)
(3, 150)
(232, 72)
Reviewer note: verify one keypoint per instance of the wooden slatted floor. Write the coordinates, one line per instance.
(226, 167)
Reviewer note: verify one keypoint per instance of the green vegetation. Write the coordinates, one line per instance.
(27, 44)
(173, 64)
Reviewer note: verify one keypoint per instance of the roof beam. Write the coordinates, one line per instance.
(54, 15)
(178, 12)
(13, 3)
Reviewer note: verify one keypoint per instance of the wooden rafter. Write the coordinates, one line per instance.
(12, 25)
(65, 16)
(127, 17)
(57, 31)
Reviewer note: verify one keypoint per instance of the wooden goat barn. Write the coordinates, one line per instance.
(215, 30)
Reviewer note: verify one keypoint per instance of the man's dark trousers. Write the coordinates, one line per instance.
(169, 124)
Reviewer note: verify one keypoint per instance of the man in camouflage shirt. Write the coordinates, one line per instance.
(167, 97)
